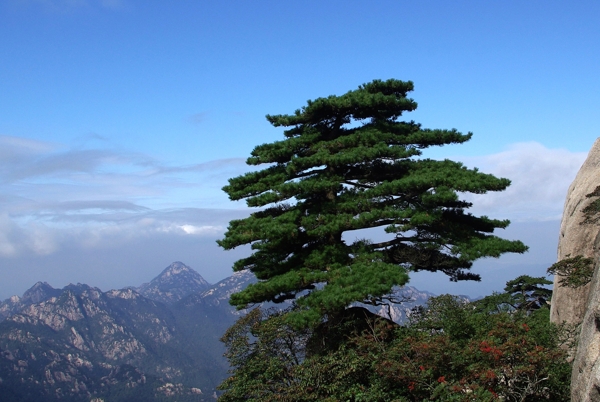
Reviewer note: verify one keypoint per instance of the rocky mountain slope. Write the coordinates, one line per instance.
(160, 340)
(173, 284)
(157, 342)
(37, 293)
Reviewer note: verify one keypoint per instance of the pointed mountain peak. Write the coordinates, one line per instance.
(177, 273)
(174, 283)
(40, 284)
(39, 292)
(175, 268)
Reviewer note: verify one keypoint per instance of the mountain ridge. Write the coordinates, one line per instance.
(72, 343)
(159, 341)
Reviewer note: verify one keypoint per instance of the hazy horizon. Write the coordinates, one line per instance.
(123, 119)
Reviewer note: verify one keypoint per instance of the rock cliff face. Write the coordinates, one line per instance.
(568, 304)
(585, 379)
(581, 305)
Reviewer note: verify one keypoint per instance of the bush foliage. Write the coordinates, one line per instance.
(450, 350)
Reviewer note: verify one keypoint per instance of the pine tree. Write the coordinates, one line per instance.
(528, 293)
(349, 163)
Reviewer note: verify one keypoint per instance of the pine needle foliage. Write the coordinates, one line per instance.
(574, 272)
(348, 163)
(591, 211)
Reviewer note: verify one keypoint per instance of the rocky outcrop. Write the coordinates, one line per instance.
(581, 305)
(39, 292)
(79, 343)
(585, 379)
(568, 304)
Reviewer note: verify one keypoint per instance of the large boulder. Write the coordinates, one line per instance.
(569, 304)
(585, 377)
(581, 305)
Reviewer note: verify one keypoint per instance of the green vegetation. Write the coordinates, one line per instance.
(349, 163)
(450, 350)
(591, 213)
(574, 271)
(578, 271)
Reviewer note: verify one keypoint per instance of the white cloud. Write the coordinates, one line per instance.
(10, 146)
(540, 178)
(194, 230)
(7, 246)
(94, 198)
(61, 206)
(41, 239)
(53, 197)
(23, 235)
(31, 237)
(34, 175)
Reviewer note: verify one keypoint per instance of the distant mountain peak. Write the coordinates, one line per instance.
(162, 335)
(40, 285)
(176, 268)
(37, 289)
(173, 284)
(37, 293)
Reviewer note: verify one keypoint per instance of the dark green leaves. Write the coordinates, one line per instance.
(450, 350)
(574, 271)
(347, 163)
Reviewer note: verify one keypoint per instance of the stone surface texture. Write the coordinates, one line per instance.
(575, 239)
(581, 305)
(585, 378)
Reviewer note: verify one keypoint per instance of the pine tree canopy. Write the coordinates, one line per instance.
(347, 163)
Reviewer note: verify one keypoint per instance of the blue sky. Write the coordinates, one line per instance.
(120, 120)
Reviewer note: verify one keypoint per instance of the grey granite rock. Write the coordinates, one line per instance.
(585, 378)
(568, 304)
(581, 305)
